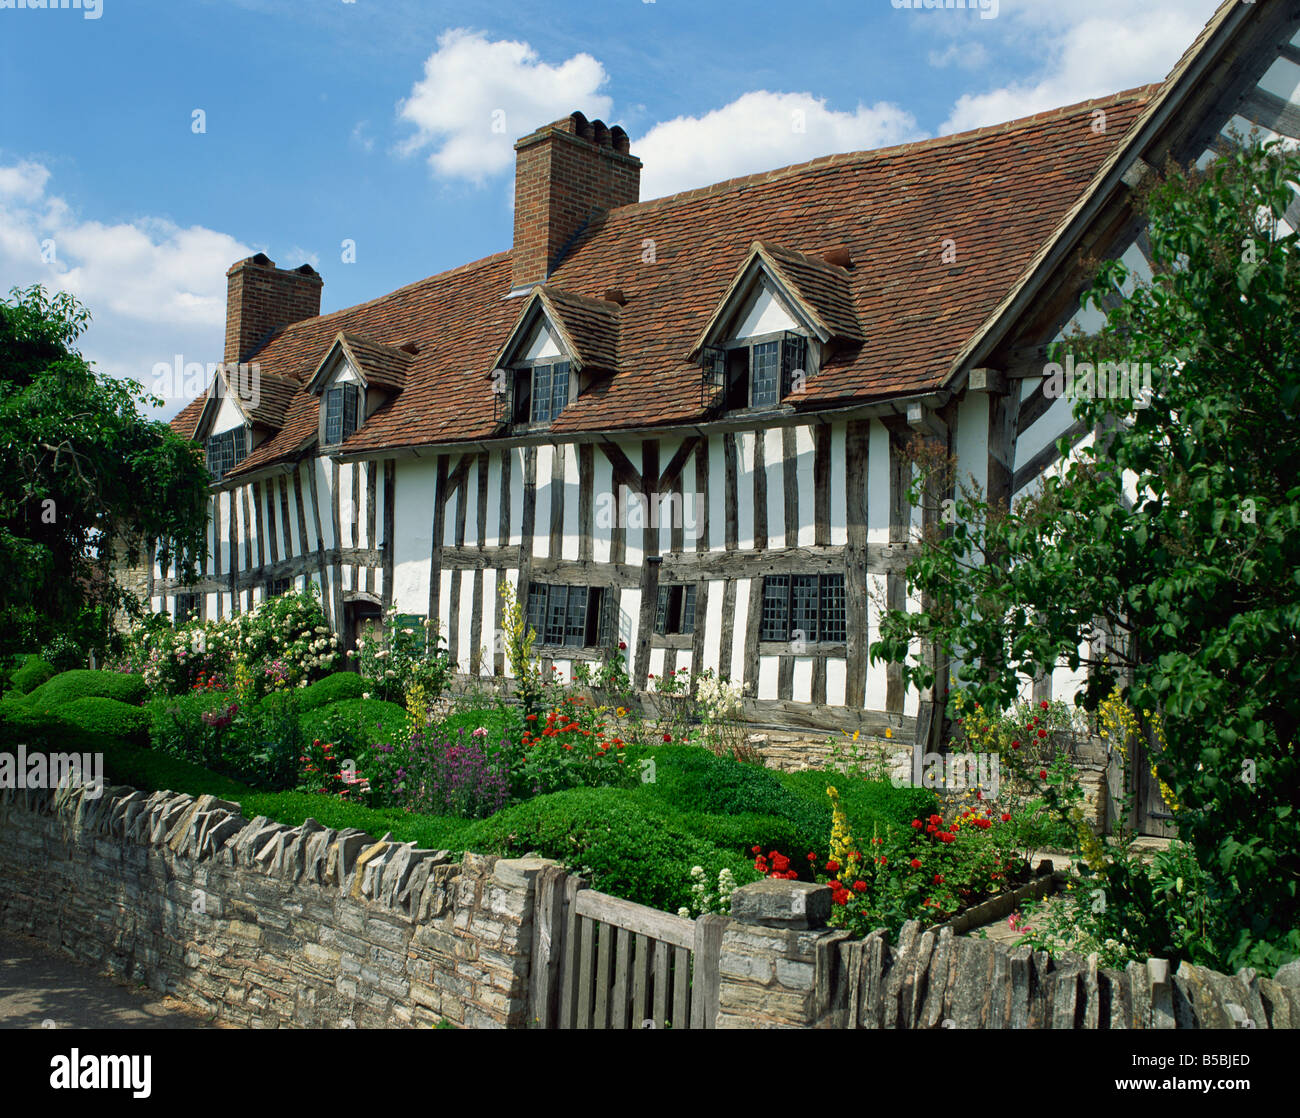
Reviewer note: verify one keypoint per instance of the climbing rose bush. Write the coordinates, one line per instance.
(283, 642)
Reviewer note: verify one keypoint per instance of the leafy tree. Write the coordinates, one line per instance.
(79, 468)
(1176, 534)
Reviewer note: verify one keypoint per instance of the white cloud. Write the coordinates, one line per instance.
(759, 131)
(1085, 51)
(478, 96)
(154, 289)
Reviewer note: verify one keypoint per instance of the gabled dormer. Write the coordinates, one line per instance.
(244, 407)
(225, 426)
(559, 345)
(355, 378)
(773, 329)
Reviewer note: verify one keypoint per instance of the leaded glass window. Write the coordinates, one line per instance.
(804, 608)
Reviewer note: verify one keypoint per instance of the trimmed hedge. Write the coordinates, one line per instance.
(865, 802)
(625, 845)
(354, 722)
(332, 689)
(97, 716)
(691, 779)
(32, 674)
(83, 683)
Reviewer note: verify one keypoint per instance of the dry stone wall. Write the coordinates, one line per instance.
(263, 924)
(268, 925)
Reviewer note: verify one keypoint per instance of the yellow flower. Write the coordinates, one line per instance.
(888, 732)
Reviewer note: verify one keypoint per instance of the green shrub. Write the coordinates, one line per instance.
(355, 724)
(739, 834)
(866, 802)
(332, 689)
(32, 674)
(65, 687)
(690, 778)
(501, 722)
(622, 844)
(37, 729)
(109, 718)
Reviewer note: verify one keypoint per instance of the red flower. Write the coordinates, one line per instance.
(1042, 774)
(860, 886)
(1042, 733)
(668, 737)
(832, 866)
(916, 823)
(1006, 818)
(1015, 745)
(1045, 704)
(753, 849)
(945, 837)
(811, 856)
(938, 879)
(622, 646)
(916, 863)
(530, 718)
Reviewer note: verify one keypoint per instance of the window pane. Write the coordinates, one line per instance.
(767, 373)
(333, 416)
(602, 609)
(541, 393)
(559, 388)
(575, 631)
(776, 608)
(834, 614)
(238, 446)
(688, 610)
(794, 359)
(557, 606)
(803, 608)
(661, 611)
(537, 610)
(351, 397)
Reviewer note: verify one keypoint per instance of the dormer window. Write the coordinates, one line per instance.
(542, 391)
(226, 451)
(342, 405)
(755, 373)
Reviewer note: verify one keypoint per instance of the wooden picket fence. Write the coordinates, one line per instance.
(604, 963)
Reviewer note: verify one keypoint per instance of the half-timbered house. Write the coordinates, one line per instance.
(677, 425)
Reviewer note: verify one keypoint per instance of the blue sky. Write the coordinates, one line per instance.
(373, 121)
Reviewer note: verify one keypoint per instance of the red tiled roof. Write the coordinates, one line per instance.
(996, 194)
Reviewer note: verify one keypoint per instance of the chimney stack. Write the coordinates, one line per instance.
(261, 299)
(565, 174)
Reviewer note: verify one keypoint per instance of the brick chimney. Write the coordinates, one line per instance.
(565, 174)
(261, 299)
